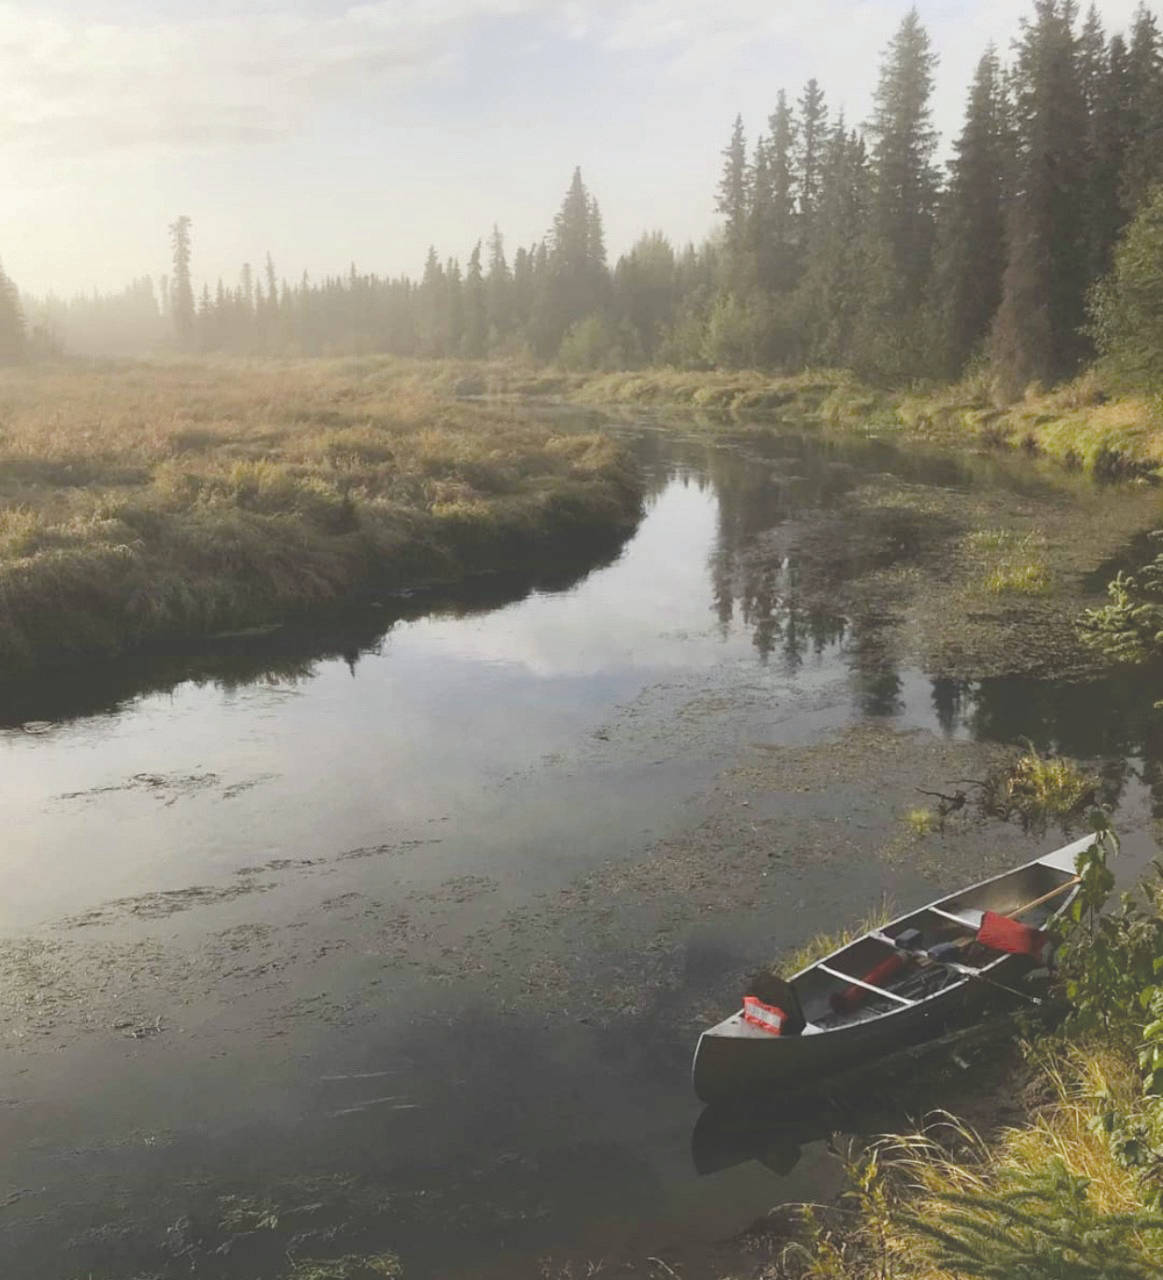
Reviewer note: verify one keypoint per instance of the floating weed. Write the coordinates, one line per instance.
(351, 1266)
(921, 822)
(1029, 579)
(1012, 562)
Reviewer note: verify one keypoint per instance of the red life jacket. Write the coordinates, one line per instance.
(1003, 934)
(768, 1017)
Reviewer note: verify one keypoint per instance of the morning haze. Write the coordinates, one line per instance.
(581, 624)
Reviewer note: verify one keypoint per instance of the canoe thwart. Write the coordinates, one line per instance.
(857, 982)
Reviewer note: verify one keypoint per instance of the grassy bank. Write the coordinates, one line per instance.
(1079, 425)
(1082, 425)
(146, 500)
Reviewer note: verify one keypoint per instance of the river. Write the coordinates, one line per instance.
(393, 934)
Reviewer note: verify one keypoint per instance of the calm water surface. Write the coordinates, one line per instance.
(270, 886)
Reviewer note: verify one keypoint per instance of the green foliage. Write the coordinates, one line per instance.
(1127, 307)
(1129, 628)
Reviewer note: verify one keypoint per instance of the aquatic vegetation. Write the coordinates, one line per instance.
(348, 1267)
(154, 500)
(1032, 579)
(1012, 562)
(1037, 788)
(921, 822)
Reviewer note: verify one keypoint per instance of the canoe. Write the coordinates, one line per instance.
(922, 999)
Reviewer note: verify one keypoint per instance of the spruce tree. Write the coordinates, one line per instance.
(781, 168)
(972, 249)
(833, 288)
(476, 320)
(1143, 166)
(732, 203)
(432, 307)
(813, 140)
(905, 182)
(181, 288)
(498, 285)
(1038, 331)
(1110, 137)
(575, 279)
(755, 265)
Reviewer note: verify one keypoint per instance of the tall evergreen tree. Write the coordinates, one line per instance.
(498, 288)
(432, 307)
(905, 181)
(756, 264)
(476, 318)
(832, 291)
(813, 141)
(1143, 166)
(1110, 137)
(575, 281)
(782, 171)
(182, 288)
(1038, 330)
(732, 201)
(972, 250)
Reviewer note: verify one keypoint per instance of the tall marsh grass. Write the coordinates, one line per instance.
(143, 499)
(1052, 1199)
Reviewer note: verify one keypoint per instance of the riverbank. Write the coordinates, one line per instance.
(152, 500)
(1080, 425)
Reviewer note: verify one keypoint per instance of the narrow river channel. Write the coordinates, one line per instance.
(395, 934)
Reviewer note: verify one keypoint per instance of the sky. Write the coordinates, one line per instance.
(329, 133)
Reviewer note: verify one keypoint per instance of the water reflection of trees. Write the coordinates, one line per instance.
(1112, 719)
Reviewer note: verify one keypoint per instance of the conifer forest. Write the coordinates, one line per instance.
(842, 243)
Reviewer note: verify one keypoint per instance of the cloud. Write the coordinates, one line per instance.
(68, 82)
(148, 74)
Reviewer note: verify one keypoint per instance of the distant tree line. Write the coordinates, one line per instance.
(840, 245)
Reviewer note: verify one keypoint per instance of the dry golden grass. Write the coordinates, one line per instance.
(913, 1194)
(145, 498)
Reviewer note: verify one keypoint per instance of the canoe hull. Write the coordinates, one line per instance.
(729, 1066)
